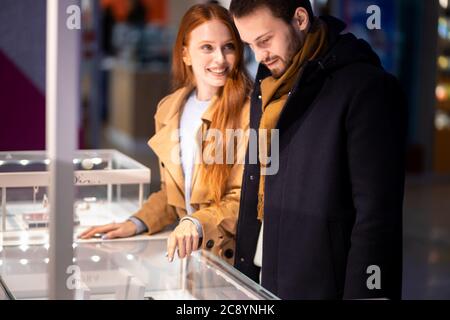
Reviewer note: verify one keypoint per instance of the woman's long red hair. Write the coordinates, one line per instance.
(231, 98)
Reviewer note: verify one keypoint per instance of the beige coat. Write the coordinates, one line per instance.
(168, 205)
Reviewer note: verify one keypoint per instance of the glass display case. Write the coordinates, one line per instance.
(133, 269)
(109, 186)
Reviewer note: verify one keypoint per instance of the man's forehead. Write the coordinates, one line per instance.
(258, 23)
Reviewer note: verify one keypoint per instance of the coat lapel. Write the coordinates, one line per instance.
(166, 142)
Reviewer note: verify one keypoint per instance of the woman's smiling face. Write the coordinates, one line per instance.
(211, 53)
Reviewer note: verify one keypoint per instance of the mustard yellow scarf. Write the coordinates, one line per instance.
(275, 91)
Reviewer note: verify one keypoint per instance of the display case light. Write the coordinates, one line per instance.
(46, 260)
(23, 262)
(24, 247)
(76, 161)
(1, 162)
(130, 257)
(95, 258)
(47, 161)
(24, 162)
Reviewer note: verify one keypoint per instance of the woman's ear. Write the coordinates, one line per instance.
(301, 19)
(186, 57)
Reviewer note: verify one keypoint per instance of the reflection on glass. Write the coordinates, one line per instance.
(130, 270)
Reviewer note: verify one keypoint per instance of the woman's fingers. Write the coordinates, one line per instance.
(188, 244)
(126, 229)
(181, 247)
(91, 232)
(171, 246)
(100, 229)
(86, 232)
(195, 242)
(184, 238)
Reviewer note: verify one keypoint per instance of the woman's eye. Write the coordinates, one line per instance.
(229, 46)
(207, 47)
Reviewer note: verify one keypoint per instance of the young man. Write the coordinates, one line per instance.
(332, 214)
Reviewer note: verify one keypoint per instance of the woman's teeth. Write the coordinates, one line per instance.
(219, 72)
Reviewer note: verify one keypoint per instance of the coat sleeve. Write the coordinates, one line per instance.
(376, 130)
(155, 212)
(219, 220)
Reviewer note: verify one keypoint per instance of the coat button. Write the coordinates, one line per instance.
(242, 259)
(162, 164)
(259, 97)
(252, 178)
(210, 244)
(229, 253)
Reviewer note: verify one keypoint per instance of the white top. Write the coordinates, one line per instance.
(190, 122)
(257, 260)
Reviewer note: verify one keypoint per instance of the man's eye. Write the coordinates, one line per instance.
(264, 42)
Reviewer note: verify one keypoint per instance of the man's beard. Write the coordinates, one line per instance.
(295, 44)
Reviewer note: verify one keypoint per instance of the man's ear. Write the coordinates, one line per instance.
(301, 19)
(186, 57)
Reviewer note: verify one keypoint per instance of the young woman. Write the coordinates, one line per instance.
(211, 90)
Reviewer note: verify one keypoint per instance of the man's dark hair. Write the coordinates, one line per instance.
(283, 9)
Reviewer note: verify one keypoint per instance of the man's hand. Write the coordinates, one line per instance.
(111, 231)
(185, 237)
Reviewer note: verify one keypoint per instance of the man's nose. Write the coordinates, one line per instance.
(261, 55)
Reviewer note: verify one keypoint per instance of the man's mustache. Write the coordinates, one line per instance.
(269, 60)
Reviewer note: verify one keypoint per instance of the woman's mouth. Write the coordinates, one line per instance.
(218, 71)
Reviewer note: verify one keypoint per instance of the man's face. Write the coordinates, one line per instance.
(273, 41)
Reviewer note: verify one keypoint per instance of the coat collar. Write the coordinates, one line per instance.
(176, 102)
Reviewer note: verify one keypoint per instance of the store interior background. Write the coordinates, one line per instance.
(125, 71)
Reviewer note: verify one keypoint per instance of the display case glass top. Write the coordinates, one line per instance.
(133, 269)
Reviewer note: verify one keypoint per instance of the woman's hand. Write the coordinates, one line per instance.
(185, 237)
(111, 231)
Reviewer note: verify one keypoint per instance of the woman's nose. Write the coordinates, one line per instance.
(219, 56)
